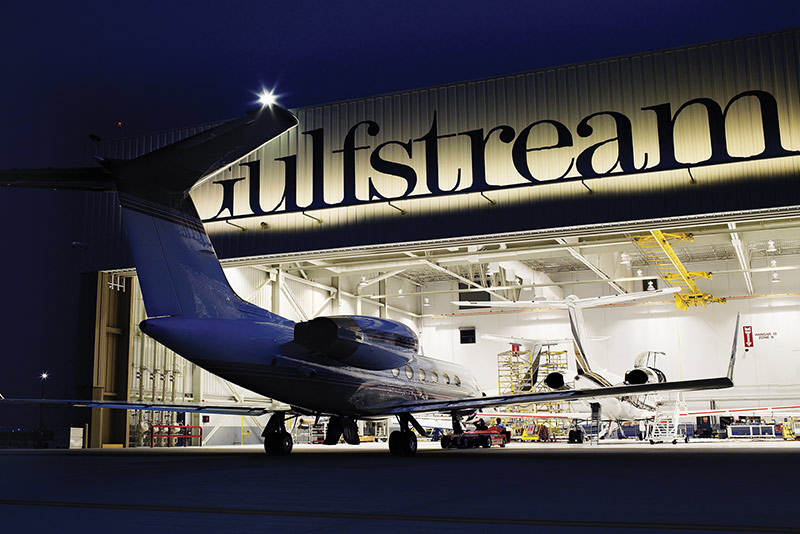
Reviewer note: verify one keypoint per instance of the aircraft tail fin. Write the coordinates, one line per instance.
(178, 270)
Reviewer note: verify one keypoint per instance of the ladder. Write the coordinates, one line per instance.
(665, 425)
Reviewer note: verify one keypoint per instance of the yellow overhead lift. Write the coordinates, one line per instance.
(657, 251)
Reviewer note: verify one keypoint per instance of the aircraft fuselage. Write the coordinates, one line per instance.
(263, 357)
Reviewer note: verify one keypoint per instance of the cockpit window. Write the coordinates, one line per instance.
(395, 372)
(409, 372)
(456, 380)
(446, 378)
(421, 374)
(434, 377)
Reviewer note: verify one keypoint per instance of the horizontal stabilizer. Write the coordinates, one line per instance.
(82, 179)
(220, 409)
(160, 175)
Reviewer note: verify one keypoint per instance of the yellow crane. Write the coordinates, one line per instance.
(657, 251)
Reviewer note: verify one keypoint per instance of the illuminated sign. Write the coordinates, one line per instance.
(415, 164)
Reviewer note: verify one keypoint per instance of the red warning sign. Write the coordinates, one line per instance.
(748, 336)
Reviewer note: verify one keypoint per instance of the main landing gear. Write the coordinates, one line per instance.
(277, 441)
(342, 426)
(404, 442)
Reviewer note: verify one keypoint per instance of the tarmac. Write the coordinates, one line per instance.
(617, 486)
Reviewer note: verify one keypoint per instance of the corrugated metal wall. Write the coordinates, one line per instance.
(568, 94)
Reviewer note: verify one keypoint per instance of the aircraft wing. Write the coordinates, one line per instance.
(518, 305)
(221, 409)
(525, 341)
(539, 415)
(764, 411)
(477, 403)
(591, 302)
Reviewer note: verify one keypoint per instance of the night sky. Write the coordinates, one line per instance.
(71, 69)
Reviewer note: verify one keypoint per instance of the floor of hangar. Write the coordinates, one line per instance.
(699, 487)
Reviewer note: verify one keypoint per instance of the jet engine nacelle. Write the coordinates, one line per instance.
(557, 380)
(644, 375)
(359, 341)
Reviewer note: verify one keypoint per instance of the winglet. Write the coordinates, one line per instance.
(733, 349)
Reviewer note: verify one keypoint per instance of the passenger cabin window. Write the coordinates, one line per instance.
(395, 372)
(456, 380)
(409, 372)
(446, 378)
(421, 374)
(434, 377)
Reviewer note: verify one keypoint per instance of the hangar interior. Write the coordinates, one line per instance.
(752, 264)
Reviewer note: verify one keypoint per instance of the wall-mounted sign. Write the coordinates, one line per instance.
(748, 336)
(415, 163)
(765, 335)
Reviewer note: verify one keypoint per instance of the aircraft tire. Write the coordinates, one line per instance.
(394, 443)
(271, 444)
(278, 443)
(286, 443)
(445, 442)
(408, 444)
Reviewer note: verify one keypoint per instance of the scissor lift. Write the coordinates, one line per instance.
(515, 374)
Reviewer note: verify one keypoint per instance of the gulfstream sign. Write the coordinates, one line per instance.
(423, 152)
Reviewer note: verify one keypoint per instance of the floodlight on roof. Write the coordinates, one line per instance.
(267, 98)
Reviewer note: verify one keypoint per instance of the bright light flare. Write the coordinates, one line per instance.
(43, 376)
(267, 98)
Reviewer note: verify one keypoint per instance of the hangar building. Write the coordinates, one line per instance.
(538, 184)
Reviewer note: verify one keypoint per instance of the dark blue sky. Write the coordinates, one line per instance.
(75, 68)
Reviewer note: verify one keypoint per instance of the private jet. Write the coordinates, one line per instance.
(345, 367)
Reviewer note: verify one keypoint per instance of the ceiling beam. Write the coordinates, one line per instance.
(581, 258)
(742, 256)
